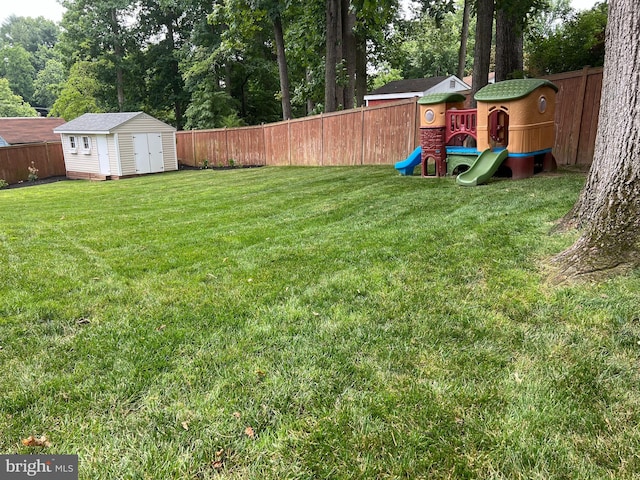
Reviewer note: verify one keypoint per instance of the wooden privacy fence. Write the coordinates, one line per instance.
(577, 109)
(16, 160)
(364, 136)
(382, 134)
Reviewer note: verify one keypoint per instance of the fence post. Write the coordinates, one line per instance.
(193, 148)
(321, 139)
(362, 135)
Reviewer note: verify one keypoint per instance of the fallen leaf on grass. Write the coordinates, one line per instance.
(185, 425)
(236, 414)
(36, 441)
(161, 327)
(249, 432)
(83, 321)
(217, 465)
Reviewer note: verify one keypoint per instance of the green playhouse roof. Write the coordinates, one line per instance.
(511, 89)
(447, 97)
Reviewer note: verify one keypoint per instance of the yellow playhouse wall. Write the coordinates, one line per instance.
(439, 109)
(529, 130)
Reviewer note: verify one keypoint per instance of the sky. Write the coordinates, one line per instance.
(52, 10)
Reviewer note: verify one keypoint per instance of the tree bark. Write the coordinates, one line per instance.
(482, 53)
(282, 68)
(608, 209)
(349, 53)
(509, 46)
(176, 81)
(119, 55)
(464, 36)
(330, 103)
(361, 69)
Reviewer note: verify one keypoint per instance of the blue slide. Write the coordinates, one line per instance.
(406, 166)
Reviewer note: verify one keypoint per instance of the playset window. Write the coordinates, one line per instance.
(542, 104)
(429, 116)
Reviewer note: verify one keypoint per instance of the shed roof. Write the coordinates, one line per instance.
(511, 89)
(445, 97)
(18, 130)
(99, 122)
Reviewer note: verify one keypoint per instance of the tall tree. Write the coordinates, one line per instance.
(100, 29)
(464, 37)
(80, 92)
(333, 13)
(482, 52)
(16, 67)
(608, 209)
(511, 21)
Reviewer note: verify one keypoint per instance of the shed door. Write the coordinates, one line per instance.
(141, 153)
(147, 149)
(103, 154)
(156, 160)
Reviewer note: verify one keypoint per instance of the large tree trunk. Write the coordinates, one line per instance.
(349, 53)
(176, 81)
(608, 209)
(361, 69)
(332, 12)
(119, 55)
(464, 36)
(509, 46)
(282, 68)
(482, 54)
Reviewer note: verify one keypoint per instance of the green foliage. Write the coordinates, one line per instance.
(3, 183)
(358, 333)
(12, 105)
(428, 47)
(16, 67)
(49, 83)
(573, 45)
(385, 75)
(210, 108)
(30, 33)
(26, 46)
(79, 94)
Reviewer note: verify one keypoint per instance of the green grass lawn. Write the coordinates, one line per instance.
(311, 323)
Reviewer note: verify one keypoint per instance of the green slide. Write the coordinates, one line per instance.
(483, 168)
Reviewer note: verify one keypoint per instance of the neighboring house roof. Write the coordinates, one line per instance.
(103, 123)
(417, 87)
(410, 85)
(19, 130)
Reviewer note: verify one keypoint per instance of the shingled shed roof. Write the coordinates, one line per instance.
(511, 89)
(97, 122)
(19, 130)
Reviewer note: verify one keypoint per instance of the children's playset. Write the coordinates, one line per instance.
(512, 131)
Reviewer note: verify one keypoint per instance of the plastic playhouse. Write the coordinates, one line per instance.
(512, 130)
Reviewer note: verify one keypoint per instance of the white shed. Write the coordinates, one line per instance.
(100, 146)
